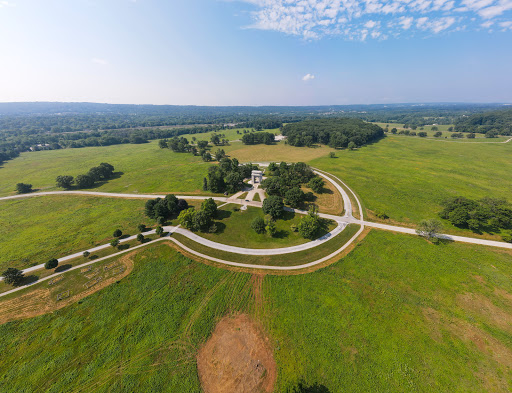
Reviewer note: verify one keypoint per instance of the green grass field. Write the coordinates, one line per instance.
(143, 168)
(234, 228)
(397, 314)
(407, 178)
(34, 230)
(230, 135)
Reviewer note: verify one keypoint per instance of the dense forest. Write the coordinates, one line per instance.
(495, 122)
(32, 126)
(336, 133)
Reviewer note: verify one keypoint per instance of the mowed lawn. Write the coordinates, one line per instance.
(36, 229)
(234, 228)
(143, 168)
(396, 315)
(275, 153)
(407, 178)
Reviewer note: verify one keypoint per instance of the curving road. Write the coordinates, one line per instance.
(342, 222)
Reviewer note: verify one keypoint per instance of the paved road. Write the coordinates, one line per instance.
(342, 221)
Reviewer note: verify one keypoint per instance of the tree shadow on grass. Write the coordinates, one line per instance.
(281, 234)
(62, 268)
(100, 183)
(287, 215)
(221, 227)
(123, 247)
(28, 280)
(303, 388)
(126, 235)
(222, 214)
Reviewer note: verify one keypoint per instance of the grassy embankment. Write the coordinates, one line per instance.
(291, 259)
(397, 314)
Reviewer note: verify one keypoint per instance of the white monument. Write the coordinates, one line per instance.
(256, 177)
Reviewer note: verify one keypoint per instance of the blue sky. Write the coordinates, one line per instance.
(256, 52)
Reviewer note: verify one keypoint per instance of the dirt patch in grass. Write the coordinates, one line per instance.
(434, 320)
(237, 358)
(507, 296)
(42, 301)
(482, 306)
(485, 343)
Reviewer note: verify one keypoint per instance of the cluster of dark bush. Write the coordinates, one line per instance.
(336, 133)
(23, 188)
(477, 215)
(285, 182)
(162, 209)
(200, 220)
(104, 171)
(227, 176)
(258, 138)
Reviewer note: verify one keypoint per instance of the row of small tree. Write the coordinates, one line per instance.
(104, 171)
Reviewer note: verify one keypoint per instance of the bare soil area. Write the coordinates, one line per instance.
(237, 358)
(42, 301)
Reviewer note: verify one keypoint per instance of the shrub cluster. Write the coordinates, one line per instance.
(200, 220)
(475, 215)
(166, 208)
(286, 180)
(227, 176)
(104, 171)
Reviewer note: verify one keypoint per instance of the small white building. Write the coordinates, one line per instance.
(256, 177)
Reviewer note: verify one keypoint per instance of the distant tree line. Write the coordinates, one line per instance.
(489, 123)
(104, 171)
(182, 145)
(336, 133)
(257, 138)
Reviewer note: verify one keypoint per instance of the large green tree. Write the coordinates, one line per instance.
(273, 206)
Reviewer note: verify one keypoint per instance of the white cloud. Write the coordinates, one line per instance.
(308, 77)
(406, 22)
(506, 25)
(360, 19)
(4, 3)
(99, 61)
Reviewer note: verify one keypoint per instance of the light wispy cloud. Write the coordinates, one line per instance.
(97, 60)
(308, 77)
(377, 19)
(5, 3)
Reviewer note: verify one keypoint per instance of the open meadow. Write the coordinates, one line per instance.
(397, 314)
(407, 178)
(142, 168)
(35, 230)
